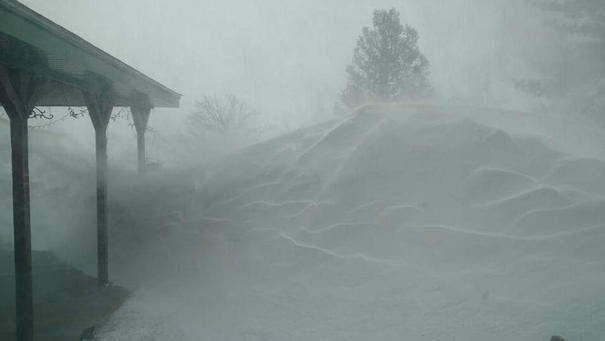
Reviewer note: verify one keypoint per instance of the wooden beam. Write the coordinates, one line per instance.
(100, 105)
(17, 95)
(22, 229)
(141, 109)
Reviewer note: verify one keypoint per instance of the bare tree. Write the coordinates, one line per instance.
(221, 114)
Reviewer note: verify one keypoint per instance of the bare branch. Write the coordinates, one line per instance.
(221, 114)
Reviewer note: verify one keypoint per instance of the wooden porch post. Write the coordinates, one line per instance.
(100, 105)
(17, 92)
(140, 115)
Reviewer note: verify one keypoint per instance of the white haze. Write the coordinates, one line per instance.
(287, 58)
(477, 216)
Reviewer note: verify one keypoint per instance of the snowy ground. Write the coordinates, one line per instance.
(413, 223)
(417, 223)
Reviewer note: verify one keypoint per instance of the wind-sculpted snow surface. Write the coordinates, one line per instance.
(398, 223)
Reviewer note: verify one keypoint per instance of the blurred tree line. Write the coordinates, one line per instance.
(579, 80)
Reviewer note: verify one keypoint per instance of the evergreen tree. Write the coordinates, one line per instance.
(387, 63)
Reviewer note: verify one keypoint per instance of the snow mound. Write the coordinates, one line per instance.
(500, 141)
(402, 214)
(496, 184)
(536, 199)
(584, 174)
(547, 221)
(398, 222)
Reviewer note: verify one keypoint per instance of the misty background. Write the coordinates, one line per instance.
(287, 60)
(476, 214)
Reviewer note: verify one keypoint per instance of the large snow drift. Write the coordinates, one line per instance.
(397, 223)
(415, 223)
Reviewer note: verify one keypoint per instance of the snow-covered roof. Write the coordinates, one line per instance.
(31, 42)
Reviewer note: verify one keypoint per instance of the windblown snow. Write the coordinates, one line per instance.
(397, 223)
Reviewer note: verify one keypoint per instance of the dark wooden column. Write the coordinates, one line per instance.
(17, 93)
(140, 115)
(100, 105)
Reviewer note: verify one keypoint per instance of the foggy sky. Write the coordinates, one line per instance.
(288, 58)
